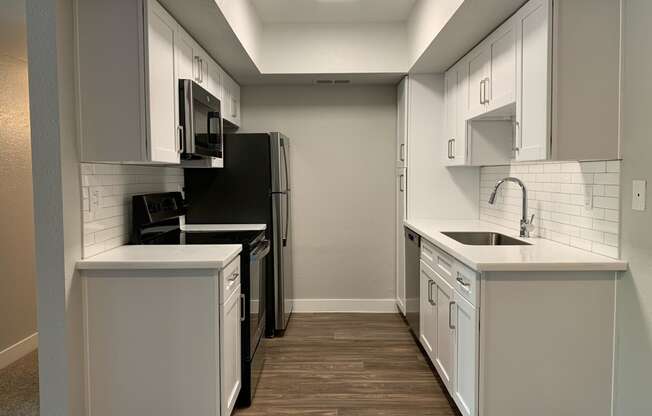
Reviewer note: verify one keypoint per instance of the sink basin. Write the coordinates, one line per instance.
(484, 239)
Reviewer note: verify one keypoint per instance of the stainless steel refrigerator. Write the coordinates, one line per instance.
(252, 188)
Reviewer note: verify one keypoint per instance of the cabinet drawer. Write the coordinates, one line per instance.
(466, 282)
(230, 279)
(439, 261)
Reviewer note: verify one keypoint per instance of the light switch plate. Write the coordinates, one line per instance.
(638, 195)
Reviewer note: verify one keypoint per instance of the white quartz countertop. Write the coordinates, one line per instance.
(139, 257)
(200, 228)
(542, 255)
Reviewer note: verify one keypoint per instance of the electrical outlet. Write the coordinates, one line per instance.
(638, 195)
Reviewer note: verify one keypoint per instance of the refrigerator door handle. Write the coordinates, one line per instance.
(287, 218)
(285, 164)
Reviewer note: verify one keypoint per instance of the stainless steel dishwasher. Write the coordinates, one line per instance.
(412, 256)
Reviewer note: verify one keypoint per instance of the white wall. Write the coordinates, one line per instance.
(634, 301)
(244, 21)
(57, 204)
(426, 20)
(333, 48)
(342, 174)
(17, 268)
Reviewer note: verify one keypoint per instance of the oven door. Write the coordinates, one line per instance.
(200, 119)
(257, 277)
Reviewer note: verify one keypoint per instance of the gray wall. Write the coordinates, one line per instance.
(17, 276)
(634, 302)
(342, 176)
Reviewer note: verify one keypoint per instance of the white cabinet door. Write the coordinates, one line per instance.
(231, 100)
(428, 311)
(477, 68)
(235, 103)
(230, 352)
(161, 86)
(402, 123)
(465, 385)
(450, 113)
(501, 87)
(401, 199)
(533, 80)
(184, 49)
(215, 79)
(445, 346)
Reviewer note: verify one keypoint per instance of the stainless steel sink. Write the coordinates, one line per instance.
(484, 239)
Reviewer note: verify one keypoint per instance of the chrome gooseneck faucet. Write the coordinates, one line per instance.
(526, 224)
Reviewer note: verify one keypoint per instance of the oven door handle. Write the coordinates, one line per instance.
(260, 251)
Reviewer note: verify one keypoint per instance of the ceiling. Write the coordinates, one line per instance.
(333, 11)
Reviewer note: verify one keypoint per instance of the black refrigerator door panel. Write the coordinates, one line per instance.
(239, 192)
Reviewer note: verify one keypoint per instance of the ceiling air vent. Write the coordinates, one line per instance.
(332, 81)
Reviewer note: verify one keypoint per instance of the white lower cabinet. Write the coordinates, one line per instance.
(466, 336)
(448, 329)
(428, 311)
(230, 313)
(445, 349)
(162, 342)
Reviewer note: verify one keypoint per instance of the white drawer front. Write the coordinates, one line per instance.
(439, 261)
(466, 282)
(230, 277)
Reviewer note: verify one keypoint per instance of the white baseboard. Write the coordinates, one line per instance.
(345, 305)
(18, 350)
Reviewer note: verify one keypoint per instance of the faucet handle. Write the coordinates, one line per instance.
(529, 225)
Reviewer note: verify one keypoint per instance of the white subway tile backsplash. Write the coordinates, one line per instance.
(108, 225)
(558, 195)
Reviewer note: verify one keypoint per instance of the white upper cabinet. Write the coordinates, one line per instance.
(215, 80)
(185, 50)
(478, 73)
(128, 97)
(533, 81)
(162, 91)
(501, 83)
(491, 69)
(455, 108)
(129, 71)
(231, 100)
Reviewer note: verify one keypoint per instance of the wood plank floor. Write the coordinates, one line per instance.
(347, 365)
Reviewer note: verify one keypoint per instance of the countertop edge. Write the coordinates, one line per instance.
(90, 264)
(611, 265)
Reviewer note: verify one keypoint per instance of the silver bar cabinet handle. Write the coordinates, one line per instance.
(401, 186)
(430, 299)
(402, 152)
(481, 90)
(242, 307)
(461, 280)
(450, 314)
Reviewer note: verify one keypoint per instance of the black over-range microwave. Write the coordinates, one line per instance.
(200, 119)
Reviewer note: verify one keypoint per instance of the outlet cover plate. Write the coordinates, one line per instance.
(638, 195)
